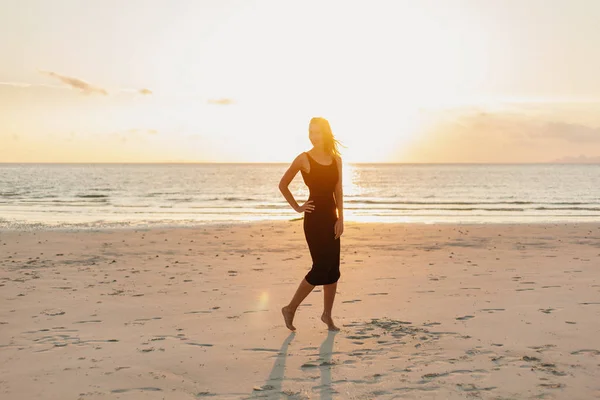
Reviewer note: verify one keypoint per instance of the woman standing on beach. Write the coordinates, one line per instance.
(321, 169)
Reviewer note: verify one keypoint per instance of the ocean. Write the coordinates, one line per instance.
(88, 196)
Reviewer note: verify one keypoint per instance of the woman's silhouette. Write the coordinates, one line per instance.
(321, 169)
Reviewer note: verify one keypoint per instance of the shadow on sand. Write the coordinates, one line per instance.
(272, 389)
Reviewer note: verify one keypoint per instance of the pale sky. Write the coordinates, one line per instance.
(237, 81)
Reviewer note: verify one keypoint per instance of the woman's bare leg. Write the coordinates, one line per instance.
(328, 298)
(288, 311)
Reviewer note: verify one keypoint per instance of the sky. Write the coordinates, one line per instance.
(468, 81)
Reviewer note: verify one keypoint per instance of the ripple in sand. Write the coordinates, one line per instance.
(466, 317)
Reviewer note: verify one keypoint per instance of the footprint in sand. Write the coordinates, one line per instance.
(469, 387)
(466, 317)
(378, 294)
(351, 301)
(253, 311)
(588, 351)
(444, 374)
(552, 385)
(143, 389)
(53, 312)
(263, 349)
(542, 348)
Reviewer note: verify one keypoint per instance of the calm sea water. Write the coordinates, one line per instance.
(113, 195)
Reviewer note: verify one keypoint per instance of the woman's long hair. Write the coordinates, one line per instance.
(330, 143)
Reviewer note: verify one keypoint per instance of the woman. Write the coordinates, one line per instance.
(321, 169)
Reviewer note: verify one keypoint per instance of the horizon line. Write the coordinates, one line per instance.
(285, 162)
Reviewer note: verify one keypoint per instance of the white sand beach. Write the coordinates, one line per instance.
(494, 311)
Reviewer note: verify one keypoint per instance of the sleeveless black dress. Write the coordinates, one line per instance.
(319, 225)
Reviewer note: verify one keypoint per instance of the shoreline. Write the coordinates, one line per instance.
(38, 227)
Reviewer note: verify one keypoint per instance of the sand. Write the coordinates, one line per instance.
(427, 312)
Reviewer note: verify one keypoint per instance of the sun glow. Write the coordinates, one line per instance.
(238, 81)
(263, 300)
(367, 75)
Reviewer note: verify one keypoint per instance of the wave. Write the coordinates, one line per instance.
(461, 203)
(92, 196)
(569, 208)
(239, 199)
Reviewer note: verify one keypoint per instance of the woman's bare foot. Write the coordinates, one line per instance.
(288, 316)
(329, 321)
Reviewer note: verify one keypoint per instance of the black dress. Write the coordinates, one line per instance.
(319, 225)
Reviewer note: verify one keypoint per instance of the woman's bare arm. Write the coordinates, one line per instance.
(287, 178)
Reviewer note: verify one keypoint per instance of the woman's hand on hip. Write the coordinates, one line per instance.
(306, 207)
(339, 228)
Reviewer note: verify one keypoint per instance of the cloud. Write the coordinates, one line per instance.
(221, 102)
(15, 84)
(581, 159)
(27, 85)
(482, 134)
(76, 83)
(570, 132)
(522, 127)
